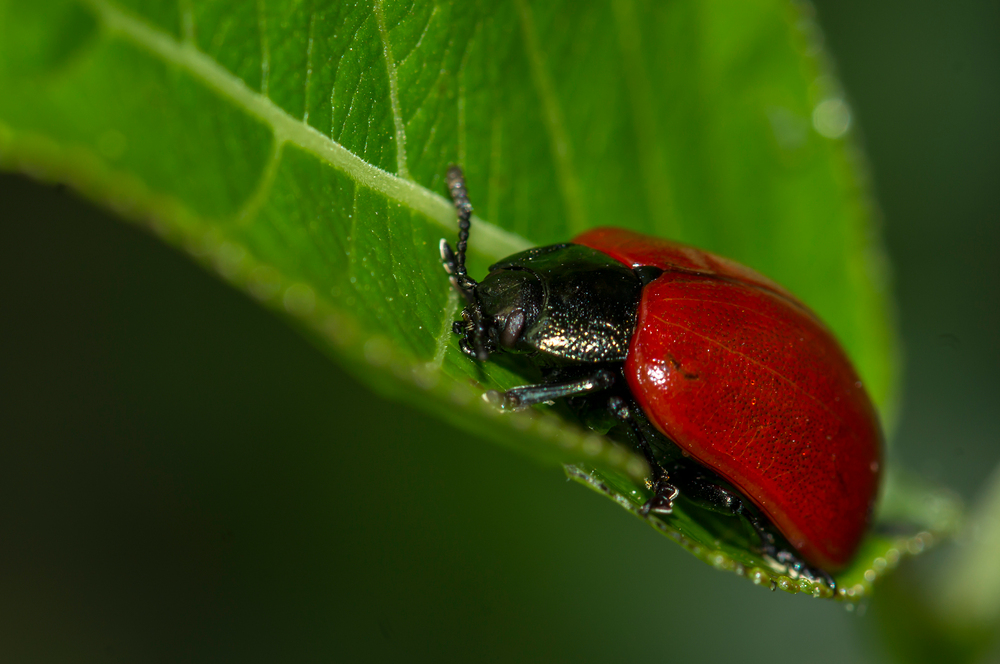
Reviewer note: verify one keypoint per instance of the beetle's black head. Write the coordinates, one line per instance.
(564, 301)
(499, 310)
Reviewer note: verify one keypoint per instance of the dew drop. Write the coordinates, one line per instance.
(832, 118)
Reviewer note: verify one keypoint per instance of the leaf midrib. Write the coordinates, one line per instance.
(495, 241)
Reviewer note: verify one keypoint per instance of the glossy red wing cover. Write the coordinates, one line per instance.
(635, 249)
(752, 385)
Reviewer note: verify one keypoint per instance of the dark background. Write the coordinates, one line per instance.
(179, 470)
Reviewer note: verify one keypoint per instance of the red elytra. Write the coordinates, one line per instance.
(747, 380)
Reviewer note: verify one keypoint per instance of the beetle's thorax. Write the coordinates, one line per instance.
(567, 302)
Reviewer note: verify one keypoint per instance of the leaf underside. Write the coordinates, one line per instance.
(299, 151)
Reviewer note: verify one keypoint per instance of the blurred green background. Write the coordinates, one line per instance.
(171, 478)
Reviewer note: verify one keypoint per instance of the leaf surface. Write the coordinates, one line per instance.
(299, 149)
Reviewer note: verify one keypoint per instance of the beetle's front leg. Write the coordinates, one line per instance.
(528, 395)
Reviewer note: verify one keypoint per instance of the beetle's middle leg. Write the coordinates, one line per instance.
(665, 492)
(705, 490)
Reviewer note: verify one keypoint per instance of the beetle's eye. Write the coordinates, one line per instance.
(512, 328)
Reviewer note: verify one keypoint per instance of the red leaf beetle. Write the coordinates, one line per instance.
(738, 396)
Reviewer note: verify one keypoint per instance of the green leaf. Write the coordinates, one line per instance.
(958, 614)
(299, 150)
(969, 596)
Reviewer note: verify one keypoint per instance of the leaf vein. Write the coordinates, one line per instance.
(559, 143)
(265, 49)
(187, 20)
(397, 117)
(495, 243)
(496, 163)
(654, 171)
(352, 239)
(445, 335)
(309, 64)
(420, 40)
(463, 96)
(437, 116)
(259, 196)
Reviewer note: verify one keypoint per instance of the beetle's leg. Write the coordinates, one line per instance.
(705, 491)
(662, 501)
(529, 395)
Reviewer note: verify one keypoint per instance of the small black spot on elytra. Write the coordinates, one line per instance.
(677, 367)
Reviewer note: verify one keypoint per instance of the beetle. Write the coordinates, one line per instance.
(738, 396)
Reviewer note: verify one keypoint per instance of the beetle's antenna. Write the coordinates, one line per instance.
(454, 263)
(460, 197)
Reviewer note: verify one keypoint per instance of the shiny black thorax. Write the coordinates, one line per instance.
(563, 303)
